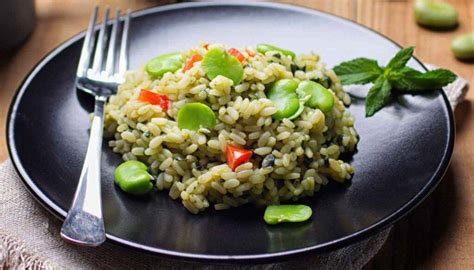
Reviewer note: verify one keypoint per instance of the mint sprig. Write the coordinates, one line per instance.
(395, 77)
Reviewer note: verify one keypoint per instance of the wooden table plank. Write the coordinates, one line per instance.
(438, 234)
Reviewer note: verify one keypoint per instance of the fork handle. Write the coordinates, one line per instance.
(84, 224)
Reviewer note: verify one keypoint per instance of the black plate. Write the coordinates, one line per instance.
(402, 155)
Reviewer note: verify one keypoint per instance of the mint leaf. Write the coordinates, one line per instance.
(378, 96)
(358, 71)
(409, 80)
(400, 59)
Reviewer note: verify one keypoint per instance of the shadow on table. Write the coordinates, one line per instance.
(423, 235)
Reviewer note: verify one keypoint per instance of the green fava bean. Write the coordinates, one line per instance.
(321, 98)
(275, 214)
(463, 46)
(282, 94)
(298, 112)
(158, 66)
(218, 62)
(435, 14)
(132, 177)
(194, 116)
(263, 48)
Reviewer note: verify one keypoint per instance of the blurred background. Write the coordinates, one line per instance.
(439, 234)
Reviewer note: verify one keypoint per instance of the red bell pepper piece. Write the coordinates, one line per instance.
(154, 98)
(237, 54)
(190, 62)
(236, 156)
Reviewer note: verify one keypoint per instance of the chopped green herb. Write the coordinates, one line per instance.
(324, 81)
(294, 68)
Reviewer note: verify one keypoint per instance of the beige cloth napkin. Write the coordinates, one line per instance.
(29, 236)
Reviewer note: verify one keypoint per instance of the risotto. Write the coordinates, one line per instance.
(254, 147)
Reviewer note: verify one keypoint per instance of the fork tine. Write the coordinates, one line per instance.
(86, 51)
(99, 48)
(123, 61)
(110, 63)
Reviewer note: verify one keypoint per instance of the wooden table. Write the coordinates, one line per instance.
(439, 233)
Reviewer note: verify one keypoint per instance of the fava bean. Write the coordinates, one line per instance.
(263, 48)
(463, 46)
(194, 116)
(435, 14)
(132, 177)
(282, 94)
(219, 62)
(170, 62)
(298, 112)
(320, 97)
(275, 214)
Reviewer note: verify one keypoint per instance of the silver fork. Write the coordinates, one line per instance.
(84, 224)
